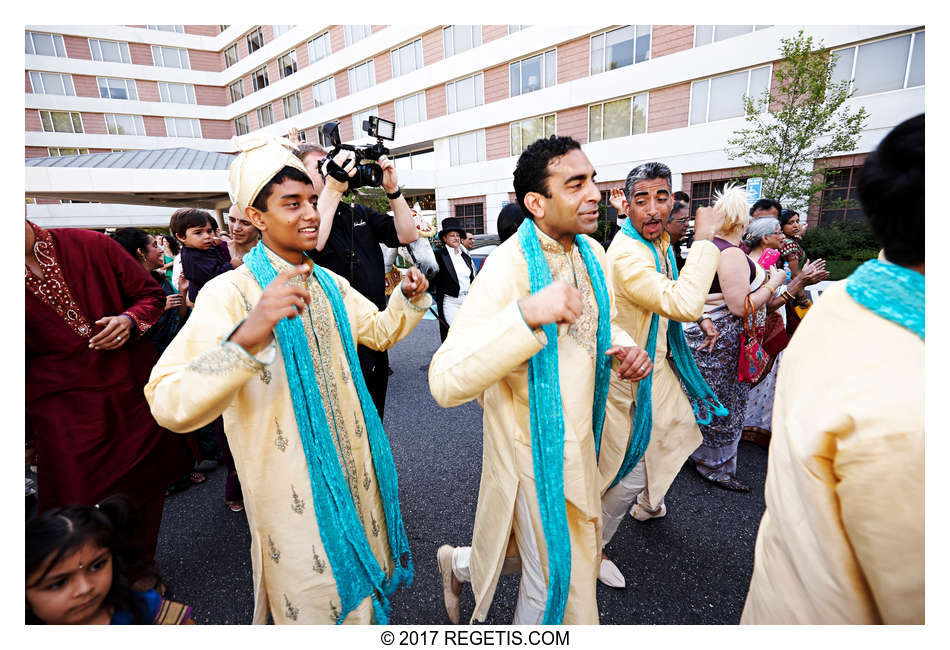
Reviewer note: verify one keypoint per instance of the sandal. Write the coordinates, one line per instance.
(731, 483)
(197, 478)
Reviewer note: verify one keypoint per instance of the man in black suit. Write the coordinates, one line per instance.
(456, 272)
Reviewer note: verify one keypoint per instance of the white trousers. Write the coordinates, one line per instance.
(618, 499)
(532, 592)
(450, 306)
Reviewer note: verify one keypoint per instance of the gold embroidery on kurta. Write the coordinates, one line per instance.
(292, 611)
(366, 481)
(344, 375)
(222, 360)
(265, 376)
(375, 526)
(358, 431)
(319, 565)
(571, 269)
(298, 503)
(334, 612)
(274, 551)
(281, 441)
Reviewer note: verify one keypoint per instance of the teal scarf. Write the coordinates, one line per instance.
(547, 415)
(697, 390)
(355, 569)
(890, 291)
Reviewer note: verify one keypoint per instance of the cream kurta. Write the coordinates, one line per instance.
(201, 376)
(487, 350)
(641, 292)
(842, 537)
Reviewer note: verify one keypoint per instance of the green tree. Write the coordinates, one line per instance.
(373, 198)
(807, 122)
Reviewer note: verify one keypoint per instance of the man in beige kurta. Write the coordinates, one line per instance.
(486, 354)
(203, 374)
(641, 291)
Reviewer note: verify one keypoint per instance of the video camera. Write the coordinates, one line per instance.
(370, 174)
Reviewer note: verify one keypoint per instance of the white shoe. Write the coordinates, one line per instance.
(642, 514)
(451, 587)
(610, 575)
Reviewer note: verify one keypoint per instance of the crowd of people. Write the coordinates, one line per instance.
(600, 374)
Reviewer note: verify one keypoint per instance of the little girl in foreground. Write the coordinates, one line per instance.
(74, 574)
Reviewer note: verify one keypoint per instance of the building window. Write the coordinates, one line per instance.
(355, 33)
(840, 201)
(67, 151)
(176, 93)
(45, 44)
(472, 216)
(265, 116)
(125, 124)
(720, 98)
(112, 51)
(182, 127)
(178, 29)
(231, 56)
(116, 88)
(619, 48)
(324, 142)
(361, 77)
(241, 126)
(170, 57)
(324, 92)
(292, 104)
(516, 28)
(704, 194)
(524, 132)
(465, 93)
(61, 122)
(617, 118)
(407, 58)
(255, 41)
(319, 48)
(236, 90)
(533, 73)
(706, 34)
(51, 83)
(411, 110)
(259, 78)
(467, 148)
(458, 38)
(287, 63)
(281, 29)
(889, 64)
(358, 119)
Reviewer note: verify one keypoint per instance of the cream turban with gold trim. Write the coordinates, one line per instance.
(259, 159)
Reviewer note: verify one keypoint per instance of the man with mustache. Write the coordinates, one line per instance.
(652, 299)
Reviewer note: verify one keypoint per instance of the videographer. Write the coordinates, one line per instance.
(348, 243)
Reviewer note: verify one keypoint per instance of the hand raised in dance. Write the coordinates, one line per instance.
(616, 199)
(634, 361)
(280, 299)
(708, 222)
(414, 284)
(558, 303)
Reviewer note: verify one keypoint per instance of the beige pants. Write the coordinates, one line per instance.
(533, 591)
(618, 499)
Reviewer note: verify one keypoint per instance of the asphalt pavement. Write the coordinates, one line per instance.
(691, 567)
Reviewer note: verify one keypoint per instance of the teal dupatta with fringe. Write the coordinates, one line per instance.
(891, 291)
(355, 569)
(698, 391)
(547, 415)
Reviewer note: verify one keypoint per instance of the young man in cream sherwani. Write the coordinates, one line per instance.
(315, 559)
(489, 351)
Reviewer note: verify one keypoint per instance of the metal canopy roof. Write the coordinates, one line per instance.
(175, 178)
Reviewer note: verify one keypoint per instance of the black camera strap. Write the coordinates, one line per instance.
(336, 172)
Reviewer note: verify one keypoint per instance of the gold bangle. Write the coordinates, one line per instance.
(771, 290)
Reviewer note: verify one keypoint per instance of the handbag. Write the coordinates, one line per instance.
(775, 338)
(753, 359)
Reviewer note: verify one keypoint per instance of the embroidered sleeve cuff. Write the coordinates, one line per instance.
(139, 326)
(419, 303)
(267, 354)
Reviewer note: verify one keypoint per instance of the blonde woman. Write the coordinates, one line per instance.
(737, 276)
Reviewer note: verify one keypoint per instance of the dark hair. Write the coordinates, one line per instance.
(678, 206)
(287, 173)
(173, 244)
(509, 220)
(891, 189)
(785, 216)
(531, 172)
(646, 172)
(59, 532)
(186, 218)
(304, 150)
(681, 196)
(765, 204)
(132, 239)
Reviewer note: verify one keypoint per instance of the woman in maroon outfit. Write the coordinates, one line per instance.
(87, 303)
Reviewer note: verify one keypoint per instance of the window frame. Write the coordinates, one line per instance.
(633, 102)
(80, 151)
(519, 124)
(231, 50)
(74, 116)
(240, 86)
(330, 84)
(478, 90)
(286, 100)
(348, 33)
(278, 32)
(712, 38)
(242, 121)
(123, 47)
(358, 118)
(850, 199)
(194, 122)
(281, 67)
(254, 78)
(257, 32)
(748, 72)
(480, 147)
(455, 50)
(351, 72)
(182, 53)
(395, 57)
(138, 124)
(420, 98)
(603, 34)
(66, 79)
(544, 72)
(189, 92)
(475, 222)
(133, 95)
(177, 29)
(260, 109)
(907, 64)
(57, 44)
(312, 47)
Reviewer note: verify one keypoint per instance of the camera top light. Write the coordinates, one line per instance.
(380, 128)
